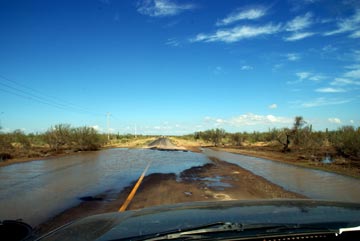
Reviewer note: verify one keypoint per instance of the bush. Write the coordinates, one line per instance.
(58, 136)
(346, 140)
(85, 138)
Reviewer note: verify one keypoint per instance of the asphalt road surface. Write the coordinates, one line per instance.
(164, 143)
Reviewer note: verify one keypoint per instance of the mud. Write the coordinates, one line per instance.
(218, 180)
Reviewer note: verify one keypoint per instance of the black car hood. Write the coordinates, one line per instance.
(111, 226)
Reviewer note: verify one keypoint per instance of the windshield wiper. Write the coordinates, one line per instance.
(206, 229)
(229, 228)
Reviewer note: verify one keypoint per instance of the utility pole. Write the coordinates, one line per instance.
(108, 124)
(135, 132)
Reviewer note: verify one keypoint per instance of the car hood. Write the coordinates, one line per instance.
(157, 219)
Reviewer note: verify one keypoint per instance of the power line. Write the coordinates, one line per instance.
(35, 95)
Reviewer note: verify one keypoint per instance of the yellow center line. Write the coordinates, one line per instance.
(133, 191)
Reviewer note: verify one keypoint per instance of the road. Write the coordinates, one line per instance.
(165, 144)
(34, 191)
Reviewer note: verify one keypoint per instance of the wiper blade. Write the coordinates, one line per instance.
(188, 232)
(206, 229)
(227, 227)
(217, 228)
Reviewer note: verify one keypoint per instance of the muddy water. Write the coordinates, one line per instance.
(315, 184)
(35, 191)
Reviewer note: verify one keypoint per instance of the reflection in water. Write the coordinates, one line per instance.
(309, 182)
(36, 190)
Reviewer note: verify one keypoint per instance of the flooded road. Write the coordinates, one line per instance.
(36, 190)
(312, 183)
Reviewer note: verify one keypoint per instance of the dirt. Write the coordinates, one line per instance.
(339, 165)
(218, 180)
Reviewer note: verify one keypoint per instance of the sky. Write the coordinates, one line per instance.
(173, 67)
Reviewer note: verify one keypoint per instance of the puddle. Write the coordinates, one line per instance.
(327, 160)
(215, 183)
(309, 182)
(40, 189)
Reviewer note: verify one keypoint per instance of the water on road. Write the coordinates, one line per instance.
(312, 183)
(36, 190)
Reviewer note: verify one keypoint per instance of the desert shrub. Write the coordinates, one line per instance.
(346, 140)
(21, 139)
(58, 136)
(85, 138)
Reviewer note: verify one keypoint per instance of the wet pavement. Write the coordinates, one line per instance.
(312, 183)
(37, 190)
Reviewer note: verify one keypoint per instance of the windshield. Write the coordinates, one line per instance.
(111, 106)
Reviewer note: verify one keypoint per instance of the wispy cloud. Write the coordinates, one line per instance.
(321, 101)
(299, 23)
(273, 106)
(162, 8)
(172, 42)
(344, 82)
(246, 67)
(334, 120)
(298, 36)
(351, 24)
(302, 76)
(329, 48)
(355, 34)
(293, 57)
(237, 33)
(242, 14)
(330, 90)
(354, 74)
(249, 119)
(218, 70)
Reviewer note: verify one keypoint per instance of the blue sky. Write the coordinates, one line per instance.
(175, 67)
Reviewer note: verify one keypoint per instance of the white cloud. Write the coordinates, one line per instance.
(354, 74)
(307, 76)
(351, 24)
(246, 67)
(329, 48)
(299, 23)
(317, 77)
(321, 101)
(298, 36)
(355, 34)
(293, 56)
(241, 14)
(276, 67)
(334, 120)
(330, 90)
(250, 119)
(237, 33)
(273, 106)
(303, 75)
(162, 8)
(172, 42)
(96, 127)
(218, 70)
(253, 119)
(353, 66)
(352, 121)
(344, 82)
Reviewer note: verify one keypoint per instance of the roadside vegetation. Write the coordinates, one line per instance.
(336, 150)
(59, 139)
